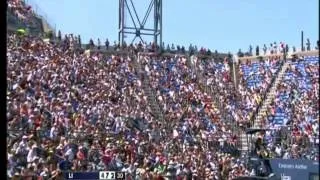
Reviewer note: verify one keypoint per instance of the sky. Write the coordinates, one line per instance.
(223, 25)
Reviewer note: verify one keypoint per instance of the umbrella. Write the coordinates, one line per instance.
(21, 31)
(47, 40)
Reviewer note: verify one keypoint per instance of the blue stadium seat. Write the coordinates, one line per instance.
(303, 80)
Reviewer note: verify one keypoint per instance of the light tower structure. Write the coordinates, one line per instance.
(138, 27)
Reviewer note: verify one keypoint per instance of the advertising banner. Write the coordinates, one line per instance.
(295, 169)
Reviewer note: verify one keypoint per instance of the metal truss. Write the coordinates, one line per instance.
(139, 28)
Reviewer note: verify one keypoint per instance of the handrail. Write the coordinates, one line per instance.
(289, 54)
(103, 49)
(264, 96)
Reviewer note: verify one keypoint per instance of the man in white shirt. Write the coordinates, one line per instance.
(53, 132)
(278, 151)
(70, 154)
(23, 146)
(32, 154)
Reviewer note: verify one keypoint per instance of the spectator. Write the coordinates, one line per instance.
(195, 49)
(240, 54)
(308, 44)
(183, 50)
(59, 35)
(264, 49)
(178, 49)
(107, 44)
(168, 48)
(173, 48)
(91, 43)
(271, 48)
(99, 44)
(250, 50)
(275, 48)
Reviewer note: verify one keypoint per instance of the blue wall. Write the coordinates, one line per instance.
(297, 169)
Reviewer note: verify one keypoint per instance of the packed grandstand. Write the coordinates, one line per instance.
(152, 116)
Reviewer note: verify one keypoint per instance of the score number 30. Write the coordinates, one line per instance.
(110, 175)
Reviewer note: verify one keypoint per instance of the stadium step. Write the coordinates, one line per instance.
(152, 101)
(270, 97)
(208, 90)
(244, 143)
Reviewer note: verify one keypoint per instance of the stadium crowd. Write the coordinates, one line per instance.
(22, 11)
(72, 111)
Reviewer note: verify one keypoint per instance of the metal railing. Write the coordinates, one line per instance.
(264, 95)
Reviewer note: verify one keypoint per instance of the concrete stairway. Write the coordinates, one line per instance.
(270, 95)
(151, 95)
(207, 89)
(243, 143)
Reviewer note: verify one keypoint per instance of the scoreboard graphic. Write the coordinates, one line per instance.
(102, 175)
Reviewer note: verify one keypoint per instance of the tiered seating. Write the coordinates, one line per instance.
(295, 109)
(218, 79)
(302, 81)
(178, 93)
(255, 78)
(253, 73)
